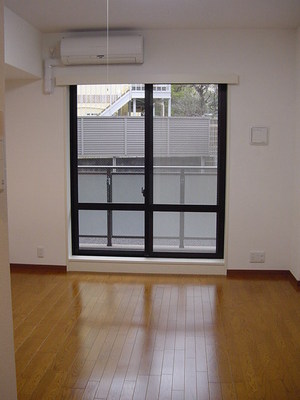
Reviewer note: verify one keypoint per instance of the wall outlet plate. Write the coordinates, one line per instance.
(259, 135)
(257, 256)
(40, 252)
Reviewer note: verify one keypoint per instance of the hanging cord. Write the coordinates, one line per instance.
(107, 41)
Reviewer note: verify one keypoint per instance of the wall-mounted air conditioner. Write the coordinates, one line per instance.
(97, 50)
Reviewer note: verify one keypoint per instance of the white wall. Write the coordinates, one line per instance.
(259, 183)
(23, 46)
(260, 177)
(36, 175)
(7, 365)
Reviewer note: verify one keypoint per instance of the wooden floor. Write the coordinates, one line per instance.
(89, 336)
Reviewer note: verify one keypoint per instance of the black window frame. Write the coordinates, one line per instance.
(148, 207)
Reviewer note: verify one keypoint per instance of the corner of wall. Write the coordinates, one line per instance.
(28, 56)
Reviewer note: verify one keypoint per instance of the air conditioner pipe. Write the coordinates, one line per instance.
(49, 82)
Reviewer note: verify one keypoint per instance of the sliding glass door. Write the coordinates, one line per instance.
(148, 169)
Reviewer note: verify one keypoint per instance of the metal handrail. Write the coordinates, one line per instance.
(154, 167)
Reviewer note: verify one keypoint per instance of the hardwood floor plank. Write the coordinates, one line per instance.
(136, 356)
(153, 387)
(168, 362)
(190, 347)
(110, 368)
(178, 370)
(84, 374)
(165, 390)
(127, 390)
(190, 379)
(228, 391)
(202, 386)
(34, 372)
(117, 384)
(241, 391)
(157, 360)
(178, 395)
(140, 387)
(51, 386)
(201, 361)
(215, 391)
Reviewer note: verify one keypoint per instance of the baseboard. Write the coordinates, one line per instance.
(294, 281)
(253, 273)
(263, 274)
(37, 268)
(231, 273)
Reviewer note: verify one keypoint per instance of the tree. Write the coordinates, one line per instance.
(194, 100)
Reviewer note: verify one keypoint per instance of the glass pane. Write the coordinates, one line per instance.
(127, 185)
(90, 186)
(92, 228)
(111, 230)
(185, 144)
(184, 232)
(110, 125)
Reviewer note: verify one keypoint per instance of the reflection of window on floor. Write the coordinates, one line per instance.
(148, 169)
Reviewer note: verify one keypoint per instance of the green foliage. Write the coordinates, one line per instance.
(194, 100)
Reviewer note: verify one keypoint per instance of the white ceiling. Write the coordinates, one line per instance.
(72, 15)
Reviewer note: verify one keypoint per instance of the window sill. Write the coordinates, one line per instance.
(143, 265)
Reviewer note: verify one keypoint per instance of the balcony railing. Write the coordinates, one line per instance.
(180, 184)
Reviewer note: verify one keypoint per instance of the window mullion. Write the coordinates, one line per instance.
(148, 169)
(222, 126)
(74, 169)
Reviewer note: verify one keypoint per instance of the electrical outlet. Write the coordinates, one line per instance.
(40, 252)
(257, 256)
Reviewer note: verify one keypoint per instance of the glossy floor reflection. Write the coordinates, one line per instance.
(89, 336)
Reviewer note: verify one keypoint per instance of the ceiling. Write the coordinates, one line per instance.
(76, 15)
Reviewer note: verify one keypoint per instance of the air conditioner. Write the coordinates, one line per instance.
(97, 50)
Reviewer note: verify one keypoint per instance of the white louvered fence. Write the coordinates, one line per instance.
(124, 136)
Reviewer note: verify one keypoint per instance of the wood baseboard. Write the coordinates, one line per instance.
(263, 274)
(231, 273)
(37, 268)
(259, 274)
(294, 281)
